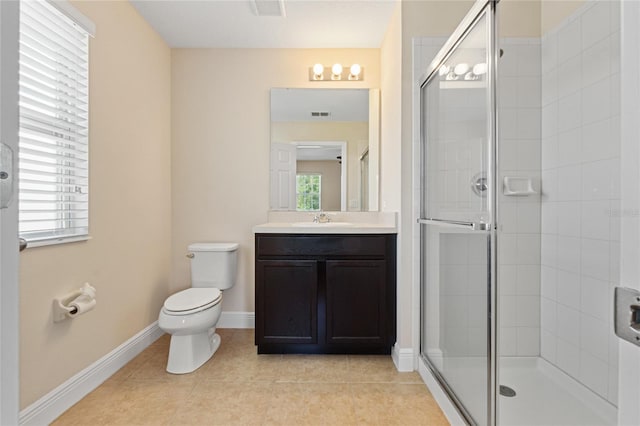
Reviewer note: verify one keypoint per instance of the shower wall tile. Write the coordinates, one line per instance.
(594, 292)
(508, 341)
(568, 357)
(568, 289)
(596, 24)
(548, 282)
(570, 40)
(594, 373)
(528, 279)
(568, 145)
(595, 258)
(528, 311)
(569, 218)
(596, 103)
(596, 62)
(528, 341)
(509, 277)
(569, 183)
(520, 217)
(569, 111)
(529, 60)
(549, 88)
(595, 219)
(528, 155)
(594, 337)
(548, 346)
(595, 140)
(548, 313)
(549, 55)
(569, 73)
(580, 163)
(613, 385)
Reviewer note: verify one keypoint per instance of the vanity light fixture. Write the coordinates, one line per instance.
(336, 72)
(479, 69)
(462, 71)
(354, 72)
(318, 70)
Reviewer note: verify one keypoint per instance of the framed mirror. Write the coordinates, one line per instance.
(324, 149)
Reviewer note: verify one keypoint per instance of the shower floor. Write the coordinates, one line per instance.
(546, 396)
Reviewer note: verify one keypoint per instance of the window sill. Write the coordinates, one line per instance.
(56, 241)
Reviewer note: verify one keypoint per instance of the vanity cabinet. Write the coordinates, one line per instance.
(325, 293)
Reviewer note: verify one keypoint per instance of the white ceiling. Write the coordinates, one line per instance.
(318, 153)
(234, 23)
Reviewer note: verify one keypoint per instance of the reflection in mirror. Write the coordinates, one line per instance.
(323, 145)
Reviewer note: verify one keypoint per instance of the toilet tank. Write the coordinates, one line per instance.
(213, 264)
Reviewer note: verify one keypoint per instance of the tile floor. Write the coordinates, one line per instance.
(237, 386)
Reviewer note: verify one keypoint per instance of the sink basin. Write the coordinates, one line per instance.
(327, 224)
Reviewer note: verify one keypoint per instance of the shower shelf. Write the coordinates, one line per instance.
(518, 187)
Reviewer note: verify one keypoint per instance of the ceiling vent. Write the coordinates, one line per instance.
(268, 7)
(320, 114)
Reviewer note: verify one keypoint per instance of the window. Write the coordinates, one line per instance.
(53, 122)
(308, 190)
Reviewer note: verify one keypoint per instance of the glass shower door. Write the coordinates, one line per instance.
(456, 223)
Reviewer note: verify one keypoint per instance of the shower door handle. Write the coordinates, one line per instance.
(471, 226)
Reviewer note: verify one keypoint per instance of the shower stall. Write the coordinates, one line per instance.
(519, 214)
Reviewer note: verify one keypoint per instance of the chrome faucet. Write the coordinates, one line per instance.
(321, 217)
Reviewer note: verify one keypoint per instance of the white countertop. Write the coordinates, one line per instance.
(341, 223)
(323, 228)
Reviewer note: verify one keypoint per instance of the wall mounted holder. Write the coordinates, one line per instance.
(75, 303)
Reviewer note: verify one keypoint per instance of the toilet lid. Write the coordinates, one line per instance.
(192, 298)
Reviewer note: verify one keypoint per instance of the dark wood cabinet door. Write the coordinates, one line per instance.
(286, 301)
(356, 302)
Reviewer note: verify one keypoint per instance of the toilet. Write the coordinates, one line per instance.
(191, 315)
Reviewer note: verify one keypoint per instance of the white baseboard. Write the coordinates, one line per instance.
(50, 406)
(402, 358)
(447, 407)
(233, 319)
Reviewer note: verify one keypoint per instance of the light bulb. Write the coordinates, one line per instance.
(444, 70)
(461, 69)
(318, 69)
(355, 69)
(336, 69)
(470, 76)
(479, 69)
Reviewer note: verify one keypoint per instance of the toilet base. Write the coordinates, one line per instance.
(187, 353)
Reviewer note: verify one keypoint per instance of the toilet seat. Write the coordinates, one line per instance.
(192, 300)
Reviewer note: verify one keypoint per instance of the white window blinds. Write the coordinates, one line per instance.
(54, 124)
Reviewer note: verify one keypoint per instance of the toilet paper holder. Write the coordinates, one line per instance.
(74, 303)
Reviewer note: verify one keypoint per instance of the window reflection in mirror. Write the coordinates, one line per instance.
(326, 133)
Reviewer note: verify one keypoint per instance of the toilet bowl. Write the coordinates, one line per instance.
(191, 315)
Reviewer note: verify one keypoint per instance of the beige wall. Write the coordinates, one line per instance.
(127, 258)
(390, 113)
(330, 182)
(391, 158)
(519, 18)
(354, 133)
(220, 145)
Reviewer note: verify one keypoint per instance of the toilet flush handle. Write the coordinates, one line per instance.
(190, 255)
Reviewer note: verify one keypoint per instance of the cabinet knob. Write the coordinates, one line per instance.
(190, 255)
